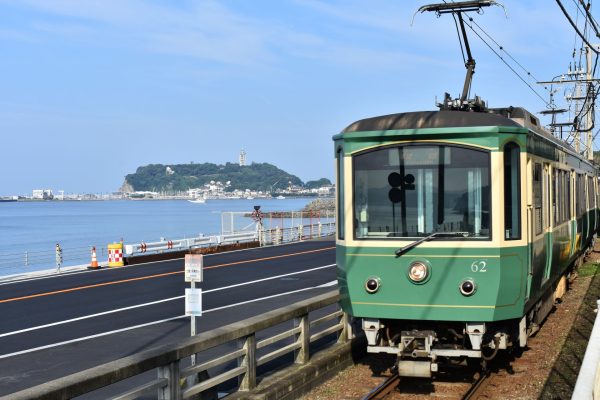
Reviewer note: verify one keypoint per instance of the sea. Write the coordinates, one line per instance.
(30, 231)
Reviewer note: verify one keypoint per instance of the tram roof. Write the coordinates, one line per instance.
(435, 119)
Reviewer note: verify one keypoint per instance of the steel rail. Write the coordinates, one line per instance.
(383, 389)
(477, 387)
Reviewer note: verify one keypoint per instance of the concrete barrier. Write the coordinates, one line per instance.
(588, 381)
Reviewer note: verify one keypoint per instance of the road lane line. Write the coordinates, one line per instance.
(33, 328)
(31, 296)
(264, 298)
(269, 278)
(155, 322)
(157, 302)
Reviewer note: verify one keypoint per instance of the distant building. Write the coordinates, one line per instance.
(242, 158)
(42, 194)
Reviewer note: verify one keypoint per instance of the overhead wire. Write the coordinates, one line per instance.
(587, 109)
(575, 26)
(506, 63)
(588, 15)
(501, 47)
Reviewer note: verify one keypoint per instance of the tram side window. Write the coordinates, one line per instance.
(597, 192)
(590, 192)
(537, 197)
(560, 200)
(566, 204)
(340, 192)
(580, 193)
(512, 204)
(569, 199)
(554, 196)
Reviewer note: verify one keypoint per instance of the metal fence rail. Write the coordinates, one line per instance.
(294, 234)
(167, 360)
(16, 263)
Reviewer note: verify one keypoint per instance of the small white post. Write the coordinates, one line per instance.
(59, 257)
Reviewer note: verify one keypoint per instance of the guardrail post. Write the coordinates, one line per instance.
(249, 361)
(300, 231)
(319, 229)
(277, 235)
(59, 257)
(302, 355)
(171, 373)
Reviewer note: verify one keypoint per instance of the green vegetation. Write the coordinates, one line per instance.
(588, 269)
(180, 177)
(317, 184)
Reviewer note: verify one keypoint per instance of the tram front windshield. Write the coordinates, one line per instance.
(415, 190)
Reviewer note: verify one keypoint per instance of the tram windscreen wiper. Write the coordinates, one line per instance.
(434, 235)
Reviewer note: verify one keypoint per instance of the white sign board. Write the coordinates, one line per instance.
(193, 267)
(193, 302)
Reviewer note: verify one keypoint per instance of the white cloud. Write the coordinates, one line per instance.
(210, 31)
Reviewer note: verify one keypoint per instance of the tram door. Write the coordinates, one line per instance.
(540, 213)
(548, 237)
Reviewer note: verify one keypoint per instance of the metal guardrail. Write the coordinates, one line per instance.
(588, 381)
(301, 232)
(167, 360)
(30, 261)
(35, 260)
(264, 236)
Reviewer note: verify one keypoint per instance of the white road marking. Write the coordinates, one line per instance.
(81, 339)
(157, 302)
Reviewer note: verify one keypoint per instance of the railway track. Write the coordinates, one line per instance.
(477, 387)
(387, 389)
(383, 389)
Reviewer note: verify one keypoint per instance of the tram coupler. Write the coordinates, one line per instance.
(416, 343)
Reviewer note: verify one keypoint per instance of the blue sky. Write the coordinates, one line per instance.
(90, 90)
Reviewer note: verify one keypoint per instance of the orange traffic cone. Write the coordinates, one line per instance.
(94, 264)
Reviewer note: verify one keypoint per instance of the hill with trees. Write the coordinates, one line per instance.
(181, 177)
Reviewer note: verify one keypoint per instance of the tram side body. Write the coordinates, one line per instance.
(516, 279)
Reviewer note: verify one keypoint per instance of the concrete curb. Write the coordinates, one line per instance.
(44, 273)
(297, 380)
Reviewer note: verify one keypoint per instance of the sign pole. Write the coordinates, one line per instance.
(193, 297)
(193, 325)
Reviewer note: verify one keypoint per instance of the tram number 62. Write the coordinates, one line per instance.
(479, 266)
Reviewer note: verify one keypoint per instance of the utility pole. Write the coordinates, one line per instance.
(590, 104)
(584, 104)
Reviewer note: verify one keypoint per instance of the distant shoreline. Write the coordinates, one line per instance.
(146, 199)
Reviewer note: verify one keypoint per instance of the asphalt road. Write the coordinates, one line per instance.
(59, 325)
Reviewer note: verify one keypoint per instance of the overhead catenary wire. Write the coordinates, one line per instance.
(589, 16)
(574, 25)
(507, 64)
(546, 103)
(501, 48)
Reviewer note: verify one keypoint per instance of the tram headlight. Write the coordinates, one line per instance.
(418, 272)
(467, 287)
(372, 284)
